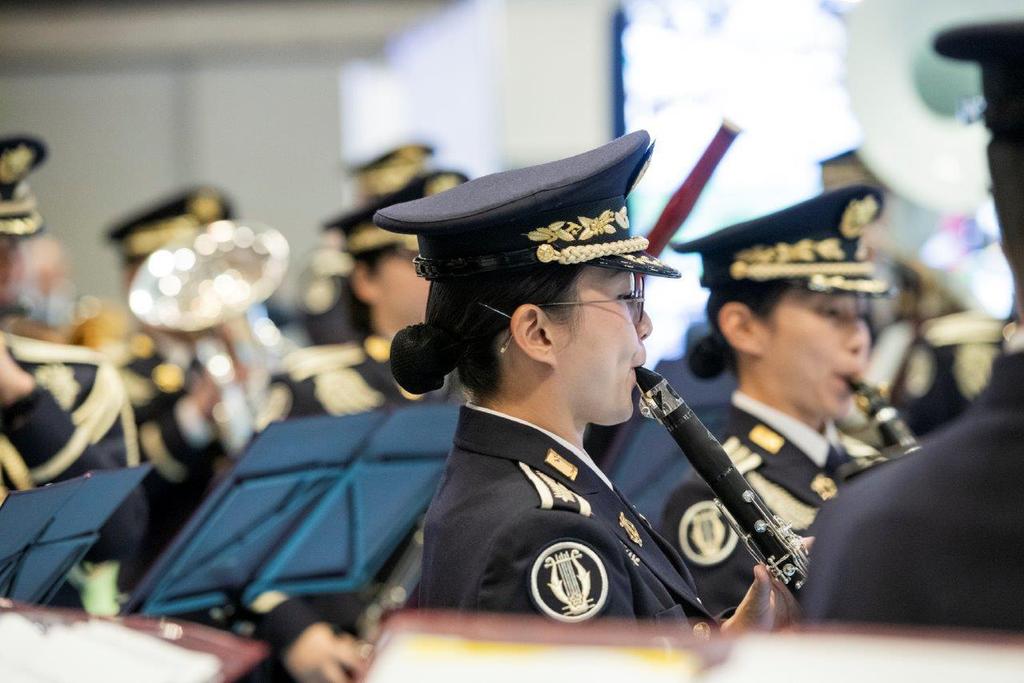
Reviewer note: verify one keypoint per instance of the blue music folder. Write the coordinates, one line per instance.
(315, 505)
(46, 531)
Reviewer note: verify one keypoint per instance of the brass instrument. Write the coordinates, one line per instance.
(769, 539)
(211, 282)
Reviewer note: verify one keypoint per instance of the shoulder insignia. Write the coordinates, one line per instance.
(783, 503)
(168, 378)
(919, 374)
(343, 391)
(60, 381)
(561, 464)
(377, 348)
(972, 367)
(554, 495)
(824, 486)
(767, 439)
(36, 351)
(568, 582)
(704, 536)
(741, 456)
(313, 360)
(142, 345)
(969, 327)
(276, 405)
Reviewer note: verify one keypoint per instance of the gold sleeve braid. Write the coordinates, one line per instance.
(157, 454)
(92, 420)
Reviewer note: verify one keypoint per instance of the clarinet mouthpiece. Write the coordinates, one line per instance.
(647, 379)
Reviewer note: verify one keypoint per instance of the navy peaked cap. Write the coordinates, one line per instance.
(563, 212)
(362, 236)
(999, 48)
(175, 217)
(816, 244)
(19, 156)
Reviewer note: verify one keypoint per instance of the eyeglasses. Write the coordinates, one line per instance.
(634, 301)
(634, 306)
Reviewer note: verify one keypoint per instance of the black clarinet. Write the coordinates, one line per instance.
(896, 435)
(768, 538)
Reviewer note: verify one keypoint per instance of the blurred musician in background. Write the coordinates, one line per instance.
(64, 410)
(381, 296)
(787, 314)
(936, 539)
(172, 395)
(323, 304)
(931, 353)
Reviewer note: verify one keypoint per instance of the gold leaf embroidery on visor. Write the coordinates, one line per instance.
(585, 229)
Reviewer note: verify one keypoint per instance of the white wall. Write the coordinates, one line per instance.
(136, 102)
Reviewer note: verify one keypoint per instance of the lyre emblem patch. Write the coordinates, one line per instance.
(704, 536)
(568, 582)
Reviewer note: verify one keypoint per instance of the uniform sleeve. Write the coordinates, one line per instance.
(857, 566)
(286, 621)
(52, 444)
(559, 564)
(721, 566)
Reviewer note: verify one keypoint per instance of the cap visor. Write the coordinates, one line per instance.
(637, 262)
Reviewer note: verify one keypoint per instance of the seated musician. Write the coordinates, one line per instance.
(536, 301)
(786, 310)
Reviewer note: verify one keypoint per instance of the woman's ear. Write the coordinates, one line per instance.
(364, 285)
(744, 331)
(531, 333)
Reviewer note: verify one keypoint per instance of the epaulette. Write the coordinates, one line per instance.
(969, 327)
(314, 360)
(555, 495)
(343, 391)
(783, 503)
(856, 448)
(35, 351)
(741, 456)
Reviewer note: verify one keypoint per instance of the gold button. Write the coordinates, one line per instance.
(702, 631)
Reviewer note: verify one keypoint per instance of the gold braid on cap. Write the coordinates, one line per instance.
(588, 252)
(368, 237)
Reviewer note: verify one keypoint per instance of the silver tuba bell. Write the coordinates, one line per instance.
(213, 281)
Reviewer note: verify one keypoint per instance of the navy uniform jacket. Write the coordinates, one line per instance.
(791, 484)
(182, 470)
(337, 379)
(520, 524)
(935, 538)
(78, 419)
(946, 368)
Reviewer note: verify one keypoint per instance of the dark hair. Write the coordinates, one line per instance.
(712, 355)
(461, 334)
(358, 310)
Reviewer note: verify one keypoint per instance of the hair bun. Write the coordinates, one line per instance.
(707, 358)
(422, 356)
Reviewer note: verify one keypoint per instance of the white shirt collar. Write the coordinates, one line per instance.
(811, 443)
(578, 452)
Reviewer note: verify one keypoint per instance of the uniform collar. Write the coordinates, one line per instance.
(494, 433)
(812, 444)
